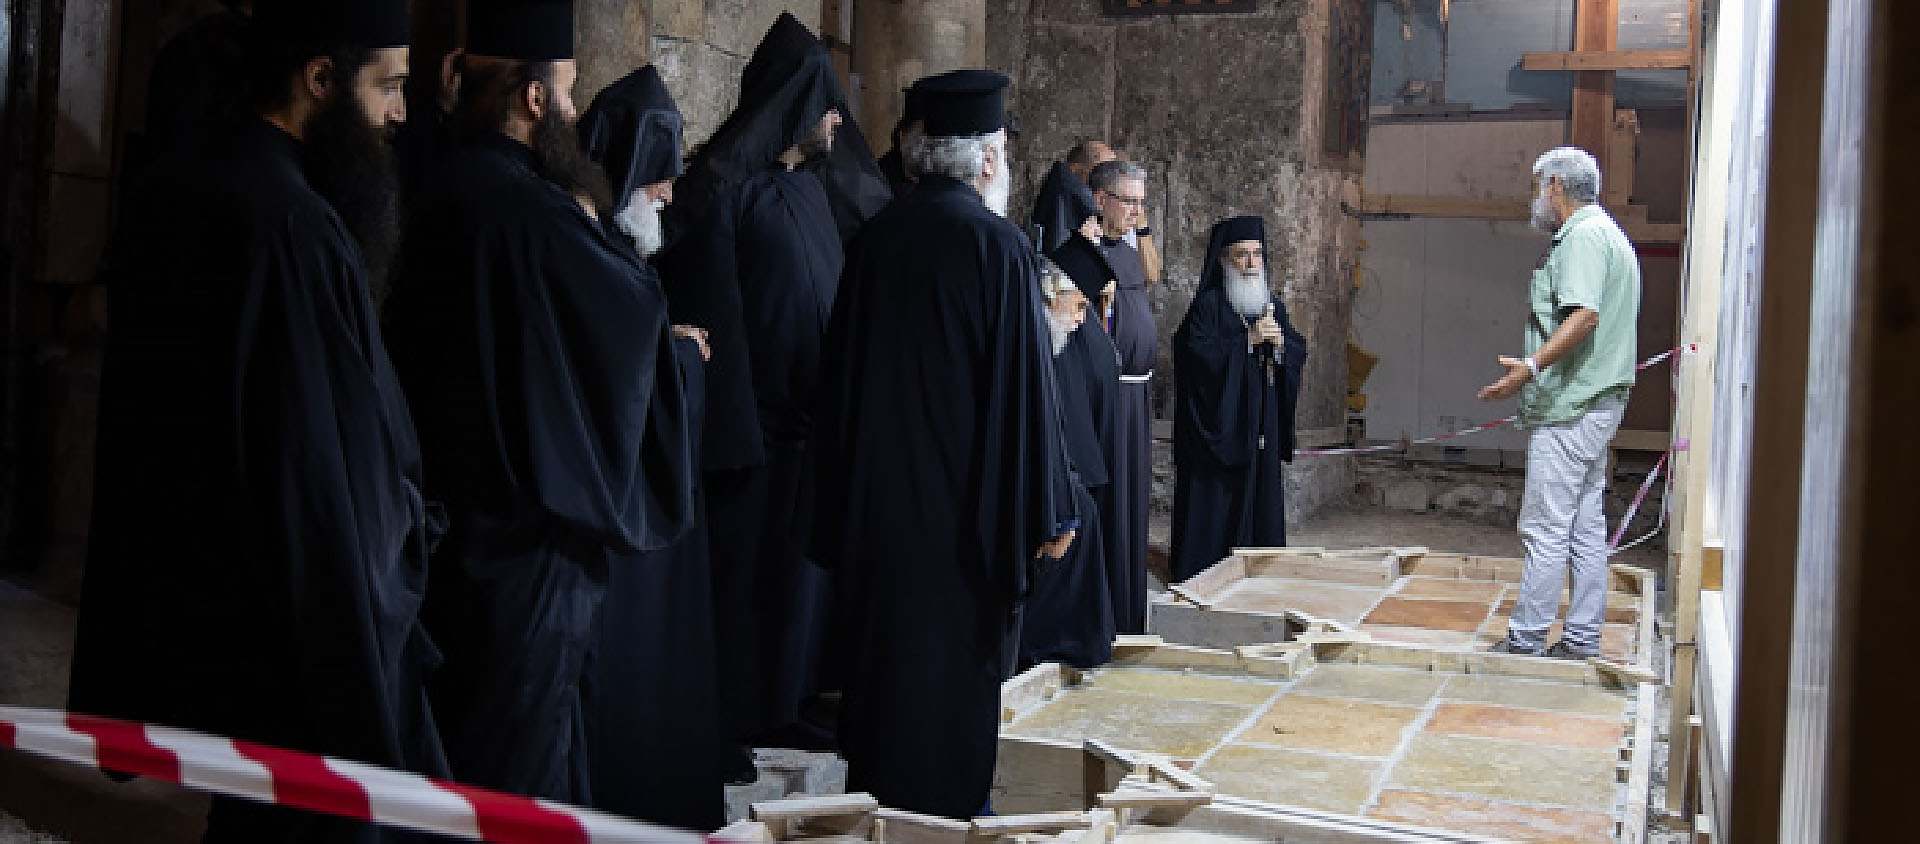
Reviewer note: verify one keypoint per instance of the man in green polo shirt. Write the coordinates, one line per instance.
(1573, 383)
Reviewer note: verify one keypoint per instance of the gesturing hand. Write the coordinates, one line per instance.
(1517, 376)
(1057, 547)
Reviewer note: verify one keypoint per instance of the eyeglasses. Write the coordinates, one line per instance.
(1134, 201)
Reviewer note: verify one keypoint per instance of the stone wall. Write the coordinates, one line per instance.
(700, 46)
(1225, 113)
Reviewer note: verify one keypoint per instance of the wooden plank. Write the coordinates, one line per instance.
(1632, 218)
(745, 832)
(1618, 164)
(1596, 29)
(1040, 822)
(1607, 60)
(1712, 560)
(1142, 798)
(813, 807)
(1633, 820)
(1641, 440)
(1680, 742)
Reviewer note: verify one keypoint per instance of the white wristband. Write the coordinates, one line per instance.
(1533, 366)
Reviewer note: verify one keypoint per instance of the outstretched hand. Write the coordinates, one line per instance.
(1517, 376)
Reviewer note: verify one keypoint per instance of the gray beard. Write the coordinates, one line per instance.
(1061, 328)
(1248, 294)
(999, 192)
(1543, 217)
(641, 221)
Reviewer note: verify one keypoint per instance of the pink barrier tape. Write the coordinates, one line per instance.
(316, 783)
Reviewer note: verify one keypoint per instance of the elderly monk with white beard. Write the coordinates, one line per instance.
(1237, 362)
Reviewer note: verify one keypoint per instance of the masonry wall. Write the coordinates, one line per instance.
(1224, 111)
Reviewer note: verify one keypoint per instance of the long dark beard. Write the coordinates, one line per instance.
(557, 152)
(351, 165)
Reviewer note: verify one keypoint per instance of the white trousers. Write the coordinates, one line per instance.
(1563, 523)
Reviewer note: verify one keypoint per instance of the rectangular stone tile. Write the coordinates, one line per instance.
(1371, 682)
(1420, 636)
(1616, 640)
(1449, 589)
(1535, 694)
(1292, 778)
(1176, 685)
(1494, 818)
(1509, 770)
(1315, 598)
(1458, 616)
(1332, 724)
(1559, 729)
(1186, 730)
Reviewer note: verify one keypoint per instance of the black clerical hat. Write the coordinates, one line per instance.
(964, 102)
(1083, 263)
(361, 23)
(1236, 229)
(915, 108)
(527, 30)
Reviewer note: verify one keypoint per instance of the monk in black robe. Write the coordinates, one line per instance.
(754, 256)
(650, 687)
(1119, 188)
(1063, 207)
(536, 350)
(938, 444)
(1237, 363)
(1069, 616)
(259, 545)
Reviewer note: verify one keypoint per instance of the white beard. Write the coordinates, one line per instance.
(641, 221)
(1248, 294)
(1061, 328)
(999, 192)
(1543, 217)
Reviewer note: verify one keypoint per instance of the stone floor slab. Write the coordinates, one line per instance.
(1575, 778)
(1449, 589)
(1131, 721)
(1332, 724)
(1616, 640)
(1535, 694)
(1494, 818)
(1316, 598)
(1178, 686)
(1559, 729)
(1371, 682)
(1457, 616)
(1292, 778)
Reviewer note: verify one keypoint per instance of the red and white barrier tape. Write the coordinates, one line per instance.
(316, 783)
(1403, 445)
(1640, 497)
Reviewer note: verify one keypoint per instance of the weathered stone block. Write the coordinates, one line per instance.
(1065, 93)
(611, 38)
(685, 19)
(736, 26)
(704, 81)
(1410, 495)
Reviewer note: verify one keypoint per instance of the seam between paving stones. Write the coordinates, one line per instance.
(1399, 754)
(1618, 788)
(1251, 720)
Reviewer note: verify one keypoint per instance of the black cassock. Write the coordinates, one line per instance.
(937, 441)
(1232, 429)
(536, 348)
(259, 543)
(1069, 616)
(650, 688)
(894, 167)
(1137, 338)
(761, 278)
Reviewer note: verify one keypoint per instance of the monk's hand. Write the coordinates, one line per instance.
(1057, 547)
(1266, 329)
(699, 336)
(1517, 376)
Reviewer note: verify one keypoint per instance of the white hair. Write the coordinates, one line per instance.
(1053, 280)
(962, 157)
(909, 140)
(1578, 173)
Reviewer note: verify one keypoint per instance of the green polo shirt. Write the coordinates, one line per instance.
(1591, 266)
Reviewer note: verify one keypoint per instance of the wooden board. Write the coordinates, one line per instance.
(1607, 60)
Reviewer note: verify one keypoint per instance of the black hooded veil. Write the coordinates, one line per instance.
(754, 256)
(632, 130)
(1069, 617)
(1233, 422)
(1136, 335)
(649, 687)
(1061, 207)
(552, 416)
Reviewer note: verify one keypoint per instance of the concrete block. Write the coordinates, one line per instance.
(1413, 496)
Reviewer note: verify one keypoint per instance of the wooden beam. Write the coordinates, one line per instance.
(1596, 29)
(1608, 60)
(1632, 218)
